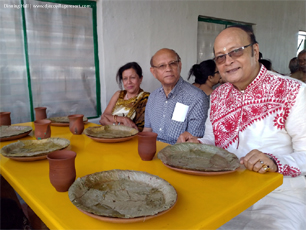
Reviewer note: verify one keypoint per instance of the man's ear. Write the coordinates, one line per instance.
(256, 50)
(180, 66)
(152, 70)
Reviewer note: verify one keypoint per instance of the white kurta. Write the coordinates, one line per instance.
(269, 115)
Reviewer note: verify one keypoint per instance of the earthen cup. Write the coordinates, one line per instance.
(5, 118)
(40, 113)
(62, 173)
(42, 129)
(76, 124)
(147, 147)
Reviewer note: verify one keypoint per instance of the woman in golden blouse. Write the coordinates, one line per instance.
(127, 107)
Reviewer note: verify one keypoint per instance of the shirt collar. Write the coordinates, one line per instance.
(260, 76)
(174, 90)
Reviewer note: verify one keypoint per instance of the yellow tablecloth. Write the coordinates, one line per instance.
(204, 202)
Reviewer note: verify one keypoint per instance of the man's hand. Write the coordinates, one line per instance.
(259, 162)
(187, 137)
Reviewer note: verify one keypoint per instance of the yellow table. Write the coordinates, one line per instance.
(204, 202)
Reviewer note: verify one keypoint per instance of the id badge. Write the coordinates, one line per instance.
(180, 112)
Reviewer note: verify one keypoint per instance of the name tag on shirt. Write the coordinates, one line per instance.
(180, 112)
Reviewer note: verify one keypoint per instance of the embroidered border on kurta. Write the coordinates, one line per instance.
(233, 111)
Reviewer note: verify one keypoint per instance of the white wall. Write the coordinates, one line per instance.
(135, 30)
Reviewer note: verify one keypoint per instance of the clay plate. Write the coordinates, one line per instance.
(64, 123)
(9, 132)
(122, 196)
(110, 133)
(199, 158)
(38, 158)
(199, 173)
(33, 150)
(124, 220)
(15, 137)
(111, 140)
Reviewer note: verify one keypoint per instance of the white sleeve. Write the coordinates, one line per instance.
(209, 137)
(294, 163)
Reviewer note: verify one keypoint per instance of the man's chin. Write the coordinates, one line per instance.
(232, 79)
(170, 80)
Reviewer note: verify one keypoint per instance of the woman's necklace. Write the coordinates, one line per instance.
(127, 98)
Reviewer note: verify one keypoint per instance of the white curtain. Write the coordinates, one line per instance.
(60, 50)
(61, 57)
(207, 32)
(14, 94)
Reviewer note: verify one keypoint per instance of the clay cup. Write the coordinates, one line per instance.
(62, 169)
(76, 124)
(42, 129)
(146, 145)
(40, 113)
(5, 118)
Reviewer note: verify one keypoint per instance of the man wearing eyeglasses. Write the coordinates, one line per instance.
(259, 115)
(176, 106)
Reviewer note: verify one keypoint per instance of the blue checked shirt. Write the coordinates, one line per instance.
(159, 111)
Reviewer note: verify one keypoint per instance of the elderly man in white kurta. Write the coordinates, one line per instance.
(261, 117)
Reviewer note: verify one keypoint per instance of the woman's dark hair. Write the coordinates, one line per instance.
(202, 71)
(133, 65)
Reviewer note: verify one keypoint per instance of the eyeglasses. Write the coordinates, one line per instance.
(172, 65)
(233, 54)
(216, 72)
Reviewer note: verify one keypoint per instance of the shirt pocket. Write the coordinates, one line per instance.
(176, 128)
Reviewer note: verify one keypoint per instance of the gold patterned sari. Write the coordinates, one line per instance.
(133, 108)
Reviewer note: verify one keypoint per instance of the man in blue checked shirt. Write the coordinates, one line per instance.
(176, 106)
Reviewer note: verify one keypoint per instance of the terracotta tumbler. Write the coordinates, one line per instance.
(146, 145)
(42, 129)
(76, 124)
(40, 113)
(62, 169)
(5, 118)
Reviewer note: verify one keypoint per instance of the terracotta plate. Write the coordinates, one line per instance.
(38, 158)
(199, 158)
(122, 196)
(124, 220)
(111, 140)
(33, 150)
(110, 131)
(62, 124)
(199, 173)
(15, 137)
(63, 121)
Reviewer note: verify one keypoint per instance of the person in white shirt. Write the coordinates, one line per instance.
(259, 115)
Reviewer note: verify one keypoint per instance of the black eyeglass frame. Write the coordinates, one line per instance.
(164, 66)
(231, 53)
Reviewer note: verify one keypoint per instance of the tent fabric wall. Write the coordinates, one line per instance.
(14, 94)
(58, 50)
